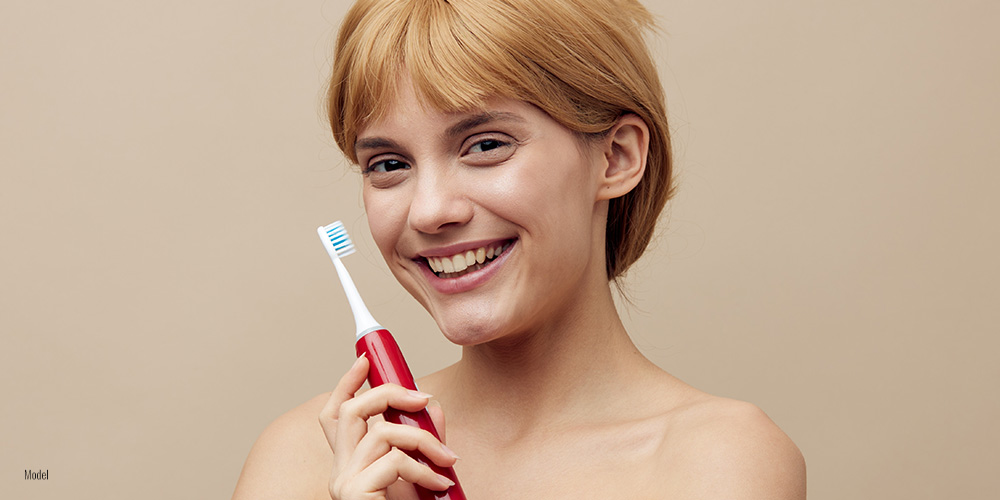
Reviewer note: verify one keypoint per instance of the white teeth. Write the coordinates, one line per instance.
(470, 259)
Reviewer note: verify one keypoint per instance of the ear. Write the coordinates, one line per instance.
(625, 148)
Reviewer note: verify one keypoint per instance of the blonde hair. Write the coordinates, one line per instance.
(584, 62)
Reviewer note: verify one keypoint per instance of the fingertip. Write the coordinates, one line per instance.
(350, 382)
(359, 370)
(445, 482)
(449, 451)
(362, 359)
(419, 395)
(437, 417)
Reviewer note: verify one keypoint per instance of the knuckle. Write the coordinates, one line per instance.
(387, 391)
(329, 413)
(349, 407)
(426, 435)
(341, 488)
(381, 428)
(401, 436)
(336, 488)
(326, 419)
(423, 438)
(397, 457)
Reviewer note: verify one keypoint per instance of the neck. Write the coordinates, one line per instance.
(548, 376)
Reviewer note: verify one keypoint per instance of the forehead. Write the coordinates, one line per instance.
(407, 112)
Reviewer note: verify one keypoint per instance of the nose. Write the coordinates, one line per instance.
(440, 202)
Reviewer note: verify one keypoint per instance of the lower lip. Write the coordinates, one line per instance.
(469, 281)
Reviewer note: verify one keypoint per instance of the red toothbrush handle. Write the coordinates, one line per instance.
(386, 365)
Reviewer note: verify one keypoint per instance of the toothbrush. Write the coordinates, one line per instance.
(386, 361)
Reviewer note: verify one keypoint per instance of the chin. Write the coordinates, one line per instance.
(467, 334)
(468, 320)
(467, 328)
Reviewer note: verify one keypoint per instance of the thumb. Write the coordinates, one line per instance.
(437, 416)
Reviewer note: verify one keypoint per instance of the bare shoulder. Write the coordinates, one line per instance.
(723, 448)
(290, 459)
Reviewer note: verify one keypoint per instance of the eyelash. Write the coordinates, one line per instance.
(496, 143)
(372, 166)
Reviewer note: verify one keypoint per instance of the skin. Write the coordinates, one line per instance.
(551, 398)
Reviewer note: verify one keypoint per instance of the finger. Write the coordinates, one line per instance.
(437, 417)
(346, 388)
(384, 473)
(385, 436)
(398, 465)
(352, 421)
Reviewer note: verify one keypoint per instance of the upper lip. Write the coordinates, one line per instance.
(456, 248)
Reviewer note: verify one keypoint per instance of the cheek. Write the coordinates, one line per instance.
(386, 213)
(555, 193)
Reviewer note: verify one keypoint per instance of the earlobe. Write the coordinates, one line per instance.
(625, 150)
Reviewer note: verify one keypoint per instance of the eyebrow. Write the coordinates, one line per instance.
(481, 119)
(454, 130)
(375, 143)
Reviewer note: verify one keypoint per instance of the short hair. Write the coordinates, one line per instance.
(583, 62)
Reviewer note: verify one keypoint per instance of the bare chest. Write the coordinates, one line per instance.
(609, 464)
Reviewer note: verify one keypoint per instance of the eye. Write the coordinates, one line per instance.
(487, 145)
(491, 149)
(385, 166)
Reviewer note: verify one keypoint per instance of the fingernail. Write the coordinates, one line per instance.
(358, 361)
(445, 480)
(418, 394)
(448, 451)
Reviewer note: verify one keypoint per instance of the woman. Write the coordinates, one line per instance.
(531, 134)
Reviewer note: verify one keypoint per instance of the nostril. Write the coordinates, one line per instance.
(437, 207)
(439, 220)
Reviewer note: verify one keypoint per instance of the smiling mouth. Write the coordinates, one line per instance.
(466, 262)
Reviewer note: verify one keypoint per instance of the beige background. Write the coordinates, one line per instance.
(831, 255)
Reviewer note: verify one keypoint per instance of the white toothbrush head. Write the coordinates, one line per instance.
(338, 244)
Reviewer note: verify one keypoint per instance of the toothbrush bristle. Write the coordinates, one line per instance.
(339, 239)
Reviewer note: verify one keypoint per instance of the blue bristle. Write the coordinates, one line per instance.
(339, 239)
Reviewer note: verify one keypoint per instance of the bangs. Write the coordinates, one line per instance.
(446, 56)
(582, 62)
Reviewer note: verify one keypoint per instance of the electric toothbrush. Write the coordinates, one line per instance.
(386, 363)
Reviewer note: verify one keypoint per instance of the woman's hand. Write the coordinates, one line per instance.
(369, 456)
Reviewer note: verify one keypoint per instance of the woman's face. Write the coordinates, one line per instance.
(489, 218)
